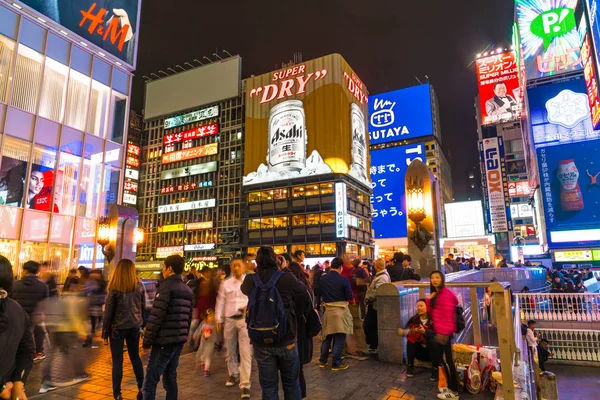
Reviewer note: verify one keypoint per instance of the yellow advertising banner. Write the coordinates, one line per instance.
(189, 154)
(171, 228)
(308, 119)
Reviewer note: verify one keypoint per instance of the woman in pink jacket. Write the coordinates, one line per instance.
(441, 306)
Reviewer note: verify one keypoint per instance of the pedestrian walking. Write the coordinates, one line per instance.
(337, 319)
(441, 306)
(167, 329)
(272, 308)
(16, 341)
(123, 317)
(29, 292)
(358, 278)
(229, 314)
(95, 291)
(207, 334)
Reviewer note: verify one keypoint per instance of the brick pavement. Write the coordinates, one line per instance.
(364, 380)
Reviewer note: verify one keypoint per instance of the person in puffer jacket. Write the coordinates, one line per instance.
(167, 329)
(441, 306)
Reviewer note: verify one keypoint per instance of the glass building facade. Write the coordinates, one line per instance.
(63, 114)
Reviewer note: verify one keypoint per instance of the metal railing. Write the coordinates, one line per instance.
(573, 345)
(580, 307)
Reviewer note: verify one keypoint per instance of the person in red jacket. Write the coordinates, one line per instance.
(441, 306)
(420, 343)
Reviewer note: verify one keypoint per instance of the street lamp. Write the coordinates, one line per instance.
(104, 238)
(138, 236)
(415, 206)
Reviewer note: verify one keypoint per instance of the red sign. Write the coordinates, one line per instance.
(356, 87)
(520, 188)
(287, 87)
(131, 186)
(132, 161)
(591, 80)
(203, 131)
(100, 27)
(134, 150)
(189, 154)
(499, 91)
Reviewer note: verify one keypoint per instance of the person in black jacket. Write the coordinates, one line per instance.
(125, 303)
(29, 292)
(397, 270)
(281, 358)
(167, 329)
(16, 342)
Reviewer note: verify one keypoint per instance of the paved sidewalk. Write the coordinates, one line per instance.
(364, 380)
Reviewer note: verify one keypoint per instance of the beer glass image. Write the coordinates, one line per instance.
(287, 137)
(571, 197)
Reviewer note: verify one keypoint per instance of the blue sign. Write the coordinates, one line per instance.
(594, 13)
(400, 115)
(560, 113)
(570, 185)
(388, 169)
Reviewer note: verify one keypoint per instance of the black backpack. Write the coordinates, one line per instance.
(460, 319)
(266, 312)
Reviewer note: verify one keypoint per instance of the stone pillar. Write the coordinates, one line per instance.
(391, 347)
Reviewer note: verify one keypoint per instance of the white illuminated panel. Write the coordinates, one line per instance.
(198, 247)
(129, 198)
(583, 235)
(196, 169)
(464, 219)
(164, 252)
(341, 209)
(132, 174)
(190, 205)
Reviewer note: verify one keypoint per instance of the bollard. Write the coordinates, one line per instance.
(391, 347)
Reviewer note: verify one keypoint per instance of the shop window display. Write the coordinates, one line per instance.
(13, 170)
(40, 191)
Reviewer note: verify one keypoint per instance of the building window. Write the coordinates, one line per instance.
(8, 31)
(328, 218)
(15, 158)
(298, 220)
(312, 219)
(313, 249)
(298, 192)
(27, 78)
(326, 188)
(327, 248)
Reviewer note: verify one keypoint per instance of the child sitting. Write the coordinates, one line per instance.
(207, 334)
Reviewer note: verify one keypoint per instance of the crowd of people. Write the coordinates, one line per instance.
(264, 307)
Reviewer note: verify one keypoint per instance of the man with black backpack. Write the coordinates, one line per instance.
(229, 312)
(272, 327)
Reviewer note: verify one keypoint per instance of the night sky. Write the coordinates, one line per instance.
(386, 42)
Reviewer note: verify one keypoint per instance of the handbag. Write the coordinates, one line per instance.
(313, 323)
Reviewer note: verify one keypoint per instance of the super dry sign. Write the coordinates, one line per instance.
(492, 157)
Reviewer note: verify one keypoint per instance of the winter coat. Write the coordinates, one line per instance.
(29, 292)
(16, 341)
(171, 314)
(379, 279)
(396, 272)
(123, 310)
(443, 313)
(305, 343)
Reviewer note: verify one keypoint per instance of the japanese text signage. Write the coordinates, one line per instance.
(196, 133)
(134, 150)
(309, 119)
(520, 188)
(112, 26)
(185, 187)
(164, 252)
(129, 198)
(131, 186)
(560, 113)
(549, 37)
(499, 92)
(190, 205)
(200, 115)
(192, 170)
(199, 247)
(132, 174)
(594, 25)
(190, 154)
(171, 228)
(388, 170)
(494, 167)
(194, 226)
(591, 79)
(132, 161)
(341, 210)
(401, 114)
(573, 256)
(570, 186)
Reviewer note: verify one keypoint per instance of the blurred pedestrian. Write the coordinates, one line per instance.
(16, 341)
(167, 329)
(29, 292)
(206, 334)
(95, 291)
(48, 278)
(125, 303)
(72, 281)
(357, 346)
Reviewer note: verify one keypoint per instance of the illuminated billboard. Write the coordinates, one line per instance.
(190, 154)
(304, 120)
(499, 91)
(196, 133)
(464, 219)
(192, 170)
(388, 170)
(190, 205)
(401, 114)
(112, 26)
(589, 57)
(560, 113)
(164, 252)
(195, 116)
(570, 186)
(549, 39)
(491, 153)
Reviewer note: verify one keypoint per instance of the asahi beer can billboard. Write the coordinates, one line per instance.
(306, 119)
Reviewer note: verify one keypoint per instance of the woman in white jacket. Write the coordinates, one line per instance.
(370, 322)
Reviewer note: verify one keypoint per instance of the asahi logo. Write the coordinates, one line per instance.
(281, 134)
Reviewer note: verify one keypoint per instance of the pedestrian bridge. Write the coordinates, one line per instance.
(570, 322)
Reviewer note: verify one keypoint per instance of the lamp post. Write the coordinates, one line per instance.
(104, 238)
(423, 218)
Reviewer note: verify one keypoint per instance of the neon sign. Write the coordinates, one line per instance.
(97, 26)
(356, 87)
(185, 186)
(287, 87)
(195, 116)
(132, 162)
(196, 133)
(194, 226)
(134, 150)
(131, 186)
(189, 154)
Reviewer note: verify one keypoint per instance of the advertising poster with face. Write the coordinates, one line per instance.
(12, 179)
(39, 190)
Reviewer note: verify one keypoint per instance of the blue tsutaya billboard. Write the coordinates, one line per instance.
(400, 115)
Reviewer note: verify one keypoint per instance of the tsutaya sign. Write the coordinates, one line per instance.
(308, 119)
